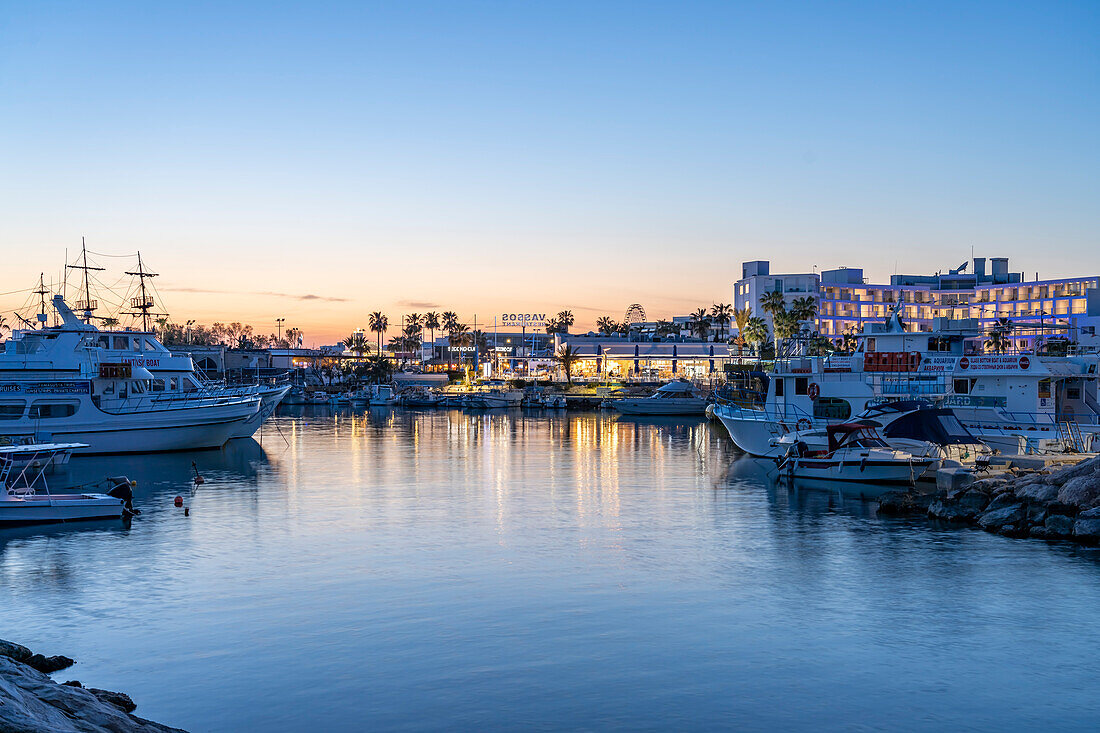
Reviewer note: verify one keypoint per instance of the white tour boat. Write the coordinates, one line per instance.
(1015, 404)
(116, 391)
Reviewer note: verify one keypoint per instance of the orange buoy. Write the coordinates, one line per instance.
(178, 501)
(199, 480)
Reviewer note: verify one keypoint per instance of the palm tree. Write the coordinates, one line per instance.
(378, 323)
(377, 369)
(999, 340)
(721, 313)
(664, 328)
(755, 331)
(552, 326)
(741, 318)
(458, 335)
(848, 342)
(804, 309)
(606, 326)
(357, 343)
(567, 357)
(431, 322)
(773, 303)
(108, 322)
(786, 325)
(700, 323)
(564, 321)
(450, 320)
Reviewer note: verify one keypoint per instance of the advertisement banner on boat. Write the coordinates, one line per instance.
(46, 387)
(838, 364)
(969, 400)
(938, 364)
(994, 363)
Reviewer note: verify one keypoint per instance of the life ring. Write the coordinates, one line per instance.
(803, 424)
(813, 391)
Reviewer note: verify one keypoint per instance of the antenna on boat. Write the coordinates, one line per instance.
(87, 305)
(142, 304)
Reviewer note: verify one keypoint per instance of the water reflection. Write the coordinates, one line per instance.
(382, 568)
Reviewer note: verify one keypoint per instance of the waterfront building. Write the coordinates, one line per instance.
(1037, 309)
(616, 358)
(757, 280)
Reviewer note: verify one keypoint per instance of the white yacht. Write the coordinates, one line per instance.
(1015, 404)
(675, 398)
(116, 391)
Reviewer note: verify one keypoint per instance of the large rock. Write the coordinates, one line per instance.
(1087, 531)
(1081, 469)
(896, 503)
(1059, 525)
(1001, 501)
(974, 500)
(949, 511)
(30, 702)
(1037, 491)
(995, 519)
(1081, 491)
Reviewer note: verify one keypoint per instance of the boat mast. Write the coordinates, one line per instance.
(42, 292)
(87, 305)
(142, 304)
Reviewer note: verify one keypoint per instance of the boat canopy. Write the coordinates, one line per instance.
(939, 426)
(893, 408)
(678, 387)
(856, 434)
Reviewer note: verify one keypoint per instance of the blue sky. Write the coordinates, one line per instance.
(492, 156)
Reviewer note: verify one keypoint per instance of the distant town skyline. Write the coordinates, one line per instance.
(317, 163)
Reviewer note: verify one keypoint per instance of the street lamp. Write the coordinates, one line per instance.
(279, 327)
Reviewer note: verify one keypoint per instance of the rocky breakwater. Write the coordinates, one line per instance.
(1046, 504)
(31, 702)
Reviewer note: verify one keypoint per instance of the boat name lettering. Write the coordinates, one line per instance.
(937, 364)
(995, 363)
(47, 388)
(143, 362)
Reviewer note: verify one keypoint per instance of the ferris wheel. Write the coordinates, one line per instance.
(635, 315)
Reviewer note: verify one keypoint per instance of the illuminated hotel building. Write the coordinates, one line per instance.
(1066, 306)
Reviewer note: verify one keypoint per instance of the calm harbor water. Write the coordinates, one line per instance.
(427, 570)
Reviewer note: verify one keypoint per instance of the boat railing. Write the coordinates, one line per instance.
(787, 413)
(157, 401)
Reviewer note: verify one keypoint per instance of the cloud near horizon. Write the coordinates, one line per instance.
(306, 296)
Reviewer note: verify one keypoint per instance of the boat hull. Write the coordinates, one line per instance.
(270, 398)
(59, 508)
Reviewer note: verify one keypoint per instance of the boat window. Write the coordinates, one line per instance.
(136, 343)
(832, 408)
(103, 342)
(12, 410)
(48, 410)
(1044, 388)
(801, 385)
(137, 387)
(109, 389)
(157, 385)
(174, 384)
(962, 386)
(121, 342)
(779, 387)
(151, 345)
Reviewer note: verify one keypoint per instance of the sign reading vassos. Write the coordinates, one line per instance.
(523, 320)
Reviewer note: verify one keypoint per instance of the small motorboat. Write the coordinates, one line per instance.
(856, 452)
(493, 398)
(25, 497)
(382, 395)
(678, 397)
(421, 397)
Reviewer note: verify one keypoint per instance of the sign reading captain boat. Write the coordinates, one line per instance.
(523, 320)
